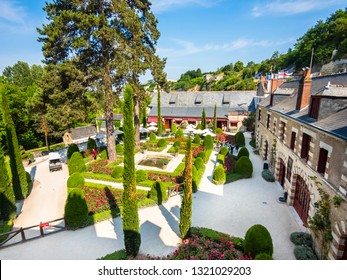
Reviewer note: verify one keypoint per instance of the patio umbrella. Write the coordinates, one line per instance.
(152, 124)
(209, 133)
(143, 130)
(198, 131)
(190, 128)
(117, 132)
(100, 136)
(152, 128)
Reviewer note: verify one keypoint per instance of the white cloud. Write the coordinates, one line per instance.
(11, 12)
(291, 7)
(159, 6)
(186, 48)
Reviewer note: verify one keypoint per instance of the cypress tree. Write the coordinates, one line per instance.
(203, 119)
(19, 180)
(186, 207)
(159, 113)
(131, 223)
(214, 118)
(7, 201)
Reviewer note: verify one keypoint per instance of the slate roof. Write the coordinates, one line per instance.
(116, 117)
(335, 124)
(190, 104)
(82, 132)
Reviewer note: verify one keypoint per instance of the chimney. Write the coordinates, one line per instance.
(304, 93)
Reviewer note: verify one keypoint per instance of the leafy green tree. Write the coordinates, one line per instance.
(106, 41)
(203, 119)
(19, 181)
(131, 223)
(7, 200)
(186, 207)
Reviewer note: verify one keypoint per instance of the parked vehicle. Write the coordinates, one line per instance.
(55, 162)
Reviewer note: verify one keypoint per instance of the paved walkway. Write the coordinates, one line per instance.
(231, 208)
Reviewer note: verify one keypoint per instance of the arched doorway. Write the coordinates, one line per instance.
(302, 199)
(281, 172)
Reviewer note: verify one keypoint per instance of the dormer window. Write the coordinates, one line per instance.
(314, 109)
(173, 99)
(226, 99)
(198, 99)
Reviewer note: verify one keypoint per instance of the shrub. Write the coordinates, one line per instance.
(252, 143)
(76, 180)
(304, 253)
(219, 175)
(158, 193)
(197, 139)
(177, 143)
(179, 133)
(117, 255)
(103, 154)
(71, 150)
(267, 175)
(141, 175)
(195, 175)
(202, 155)
(263, 256)
(219, 131)
(117, 172)
(119, 149)
(152, 137)
(76, 164)
(224, 151)
(220, 159)
(229, 163)
(240, 139)
(301, 238)
(76, 210)
(244, 167)
(5, 227)
(173, 127)
(208, 142)
(91, 144)
(243, 152)
(258, 240)
(199, 163)
(162, 143)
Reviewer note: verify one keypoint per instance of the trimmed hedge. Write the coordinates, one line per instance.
(267, 175)
(91, 144)
(117, 255)
(162, 143)
(179, 133)
(197, 139)
(195, 174)
(158, 193)
(208, 142)
(244, 167)
(152, 137)
(263, 256)
(258, 240)
(304, 253)
(76, 164)
(202, 155)
(5, 227)
(71, 150)
(76, 209)
(219, 175)
(220, 159)
(76, 180)
(243, 152)
(177, 143)
(301, 238)
(173, 128)
(240, 139)
(224, 151)
(199, 163)
(141, 175)
(117, 172)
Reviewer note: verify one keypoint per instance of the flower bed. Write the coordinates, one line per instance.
(100, 167)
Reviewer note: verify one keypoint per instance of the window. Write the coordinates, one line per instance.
(268, 121)
(305, 146)
(322, 161)
(314, 110)
(274, 127)
(292, 140)
(259, 115)
(283, 128)
(289, 168)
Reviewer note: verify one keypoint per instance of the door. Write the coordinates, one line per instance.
(282, 173)
(302, 199)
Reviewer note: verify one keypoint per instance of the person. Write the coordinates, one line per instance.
(231, 148)
(94, 152)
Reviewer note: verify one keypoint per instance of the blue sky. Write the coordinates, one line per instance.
(205, 34)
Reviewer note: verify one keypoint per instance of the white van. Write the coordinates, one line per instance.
(54, 162)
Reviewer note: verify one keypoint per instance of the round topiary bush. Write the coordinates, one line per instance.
(208, 142)
(141, 175)
(219, 175)
(76, 210)
(219, 131)
(304, 253)
(179, 133)
(263, 256)
(173, 128)
(224, 151)
(117, 172)
(162, 143)
(197, 139)
(158, 193)
(76, 164)
(267, 175)
(177, 143)
(71, 150)
(244, 167)
(76, 180)
(301, 238)
(258, 240)
(240, 139)
(91, 144)
(119, 149)
(152, 137)
(243, 152)
(199, 163)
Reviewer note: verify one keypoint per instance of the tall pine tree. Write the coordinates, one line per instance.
(186, 207)
(19, 180)
(130, 215)
(203, 119)
(214, 122)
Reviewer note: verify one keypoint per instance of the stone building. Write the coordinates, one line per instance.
(301, 131)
